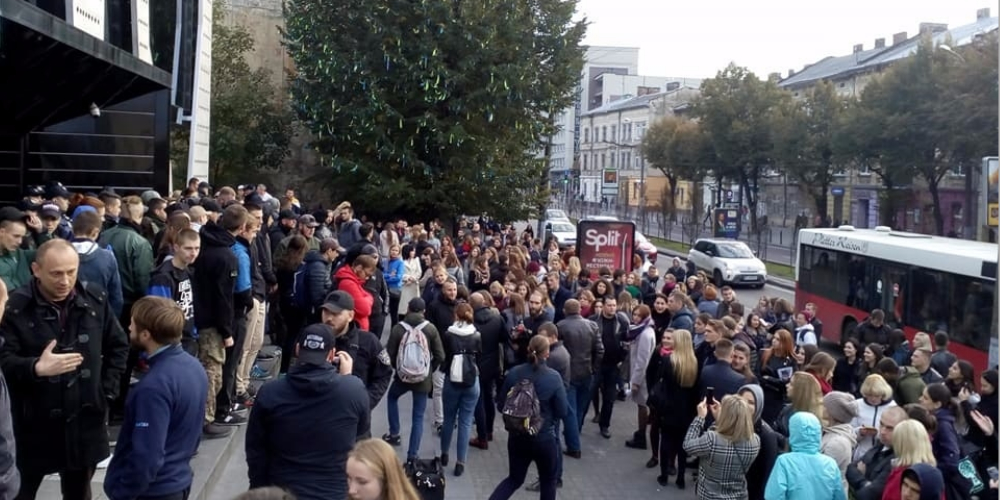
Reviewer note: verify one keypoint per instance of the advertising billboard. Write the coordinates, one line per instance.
(727, 223)
(610, 185)
(991, 176)
(609, 244)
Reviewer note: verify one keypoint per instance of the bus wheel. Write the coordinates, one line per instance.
(717, 276)
(847, 330)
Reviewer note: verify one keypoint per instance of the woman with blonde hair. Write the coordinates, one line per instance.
(911, 445)
(726, 451)
(804, 394)
(876, 397)
(673, 397)
(374, 473)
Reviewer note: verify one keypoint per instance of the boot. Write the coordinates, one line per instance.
(637, 442)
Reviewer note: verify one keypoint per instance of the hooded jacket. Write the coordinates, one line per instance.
(838, 443)
(770, 444)
(98, 266)
(318, 280)
(583, 341)
(932, 483)
(434, 345)
(804, 473)
(214, 281)
(461, 338)
(493, 331)
(909, 387)
(363, 300)
(10, 477)
(683, 320)
(301, 430)
(134, 255)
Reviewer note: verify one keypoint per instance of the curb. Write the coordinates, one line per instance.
(775, 282)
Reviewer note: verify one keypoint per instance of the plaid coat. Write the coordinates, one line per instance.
(723, 465)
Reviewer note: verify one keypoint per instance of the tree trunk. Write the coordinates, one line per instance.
(751, 198)
(934, 188)
(543, 201)
(672, 179)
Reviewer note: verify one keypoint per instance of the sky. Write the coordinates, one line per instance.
(698, 38)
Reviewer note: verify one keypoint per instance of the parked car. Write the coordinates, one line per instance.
(728, 262)
(554, 214)
(562, 230)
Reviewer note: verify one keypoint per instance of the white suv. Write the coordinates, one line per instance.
(728, 261)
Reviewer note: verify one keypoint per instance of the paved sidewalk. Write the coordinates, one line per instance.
(608, 470)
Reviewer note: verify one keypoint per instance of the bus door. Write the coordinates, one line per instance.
(888, 289)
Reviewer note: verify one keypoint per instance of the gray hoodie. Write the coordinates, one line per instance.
(838, 443)
(10, 478)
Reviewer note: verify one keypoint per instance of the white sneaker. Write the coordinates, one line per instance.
(103, 464)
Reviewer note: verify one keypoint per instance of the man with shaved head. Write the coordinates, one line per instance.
(63, 353)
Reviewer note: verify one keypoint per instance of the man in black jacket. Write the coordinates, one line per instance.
(441, 314)
(586, 350)
(63, 354)
(613, 328)
(557, 294)
(10, 478)
(720, 375)
(867, 477)
(493, 332)
(213, 283)
(371, 361)
(312, 416)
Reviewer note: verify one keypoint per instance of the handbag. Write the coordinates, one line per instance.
(427, 476)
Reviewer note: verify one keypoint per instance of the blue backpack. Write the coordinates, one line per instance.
(300, 289)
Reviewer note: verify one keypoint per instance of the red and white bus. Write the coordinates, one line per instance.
(923, 283)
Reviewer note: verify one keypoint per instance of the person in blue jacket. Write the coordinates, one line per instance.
(804, 473)
(543, 448)
(163, 413)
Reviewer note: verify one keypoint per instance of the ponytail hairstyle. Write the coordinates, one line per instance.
(939, 393)
(538, 350)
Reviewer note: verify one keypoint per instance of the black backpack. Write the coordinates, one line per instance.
(522, 411)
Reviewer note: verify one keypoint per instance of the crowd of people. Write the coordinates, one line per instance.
(114, 300)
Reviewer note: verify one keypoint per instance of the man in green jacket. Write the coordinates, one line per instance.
(15, 262)
(132, 251)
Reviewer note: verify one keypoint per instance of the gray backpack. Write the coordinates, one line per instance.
(413, 361)
(522, 412)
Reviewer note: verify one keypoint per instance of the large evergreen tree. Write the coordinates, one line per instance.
(434, 107)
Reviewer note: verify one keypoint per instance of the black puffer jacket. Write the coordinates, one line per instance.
(59, 421)
(371, 361)
(494, 333)
(214, 280)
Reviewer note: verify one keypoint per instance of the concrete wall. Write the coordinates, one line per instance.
(262, 18)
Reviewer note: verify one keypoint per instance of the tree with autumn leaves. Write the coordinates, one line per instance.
(918, 120)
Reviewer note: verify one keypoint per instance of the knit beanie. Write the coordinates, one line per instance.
(841, 407)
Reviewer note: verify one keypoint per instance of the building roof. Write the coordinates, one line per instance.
(843, 66)
(634, 102)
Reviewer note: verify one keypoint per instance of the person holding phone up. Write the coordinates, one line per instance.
(726, 451)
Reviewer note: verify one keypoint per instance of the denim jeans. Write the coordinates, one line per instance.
(521, 451)
(396, 390)
(460, 403)
(571, 430)
(578, 395)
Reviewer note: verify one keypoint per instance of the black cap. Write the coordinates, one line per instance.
(248, 187)
(417, 305)
(211, 205)
(35, 191)
(338, 301)
(287, 214)
(11, 214)
(315, 343)
(56, 190)
(359, 249)
(27, 205)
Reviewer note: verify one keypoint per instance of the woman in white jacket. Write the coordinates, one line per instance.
(876, 397)
(640, 350)
(410, 286)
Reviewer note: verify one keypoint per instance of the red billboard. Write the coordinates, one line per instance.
(601, 243)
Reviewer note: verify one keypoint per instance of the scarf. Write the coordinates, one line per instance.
(665, 351)
(636, 329)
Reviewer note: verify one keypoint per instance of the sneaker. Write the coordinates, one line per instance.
(393, 440)
(437, 427)
(258, 373)
(245, 400)
(537, 485)
(239, 407)
(215, 431)
(231, 419)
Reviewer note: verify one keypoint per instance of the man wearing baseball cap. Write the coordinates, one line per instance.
(371, 360)
(307, 229)
(315, 414)
(15, 262)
